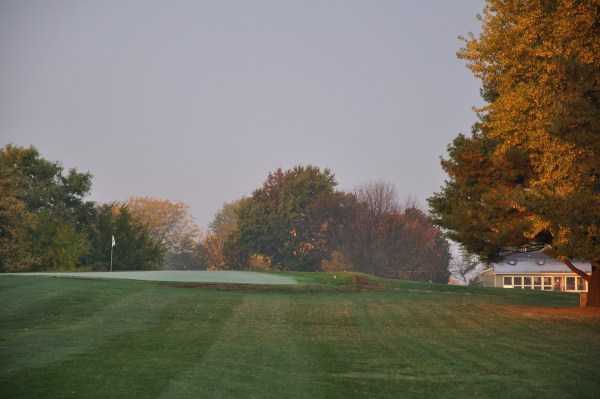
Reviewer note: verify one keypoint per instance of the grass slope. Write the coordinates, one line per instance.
(75, 338)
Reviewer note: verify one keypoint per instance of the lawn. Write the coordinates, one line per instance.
(323, 338)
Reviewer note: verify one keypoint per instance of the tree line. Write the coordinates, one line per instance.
(297, 220)
(46, 223)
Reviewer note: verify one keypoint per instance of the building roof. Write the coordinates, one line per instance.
(535, 262)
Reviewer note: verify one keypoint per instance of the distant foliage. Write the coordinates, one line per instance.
(170, 224)
(224, 228)
(381, 237)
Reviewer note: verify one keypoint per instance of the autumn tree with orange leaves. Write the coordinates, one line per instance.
(528, 176)
(171, 225)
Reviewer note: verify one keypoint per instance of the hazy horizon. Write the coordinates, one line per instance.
(198, 101)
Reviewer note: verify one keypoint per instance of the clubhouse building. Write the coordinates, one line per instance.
(535, 270)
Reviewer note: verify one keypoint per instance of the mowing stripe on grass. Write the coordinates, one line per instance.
(254, 353)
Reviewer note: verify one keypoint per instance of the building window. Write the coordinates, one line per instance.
(557, 283)
(574, 284)
(546, 283)
(570, 284)
(518, 282)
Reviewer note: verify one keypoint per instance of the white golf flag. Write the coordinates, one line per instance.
(114, 243)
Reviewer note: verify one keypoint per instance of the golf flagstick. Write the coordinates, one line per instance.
(112, 245)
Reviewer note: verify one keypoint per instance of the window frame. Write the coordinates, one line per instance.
(520, 284)
(552, 282)
(572, 278)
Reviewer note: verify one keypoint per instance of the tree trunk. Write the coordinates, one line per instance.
(593, 281)
(594, 286)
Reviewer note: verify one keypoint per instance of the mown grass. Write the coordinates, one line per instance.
(71, 338)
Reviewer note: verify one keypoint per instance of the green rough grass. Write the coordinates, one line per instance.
(75, 338)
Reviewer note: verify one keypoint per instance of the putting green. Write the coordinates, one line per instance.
(180, 276)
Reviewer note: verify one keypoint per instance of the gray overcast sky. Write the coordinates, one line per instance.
(197, 101)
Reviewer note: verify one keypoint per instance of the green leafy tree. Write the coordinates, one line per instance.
(529, 174)
(222, 241)
(57, 245)
(43, 186)
(225, 222)
(277, 221)
(44, 214)
(135, 248)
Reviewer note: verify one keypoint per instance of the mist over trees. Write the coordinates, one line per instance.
(465, 266)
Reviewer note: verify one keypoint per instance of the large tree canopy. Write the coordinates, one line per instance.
(529, 174)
